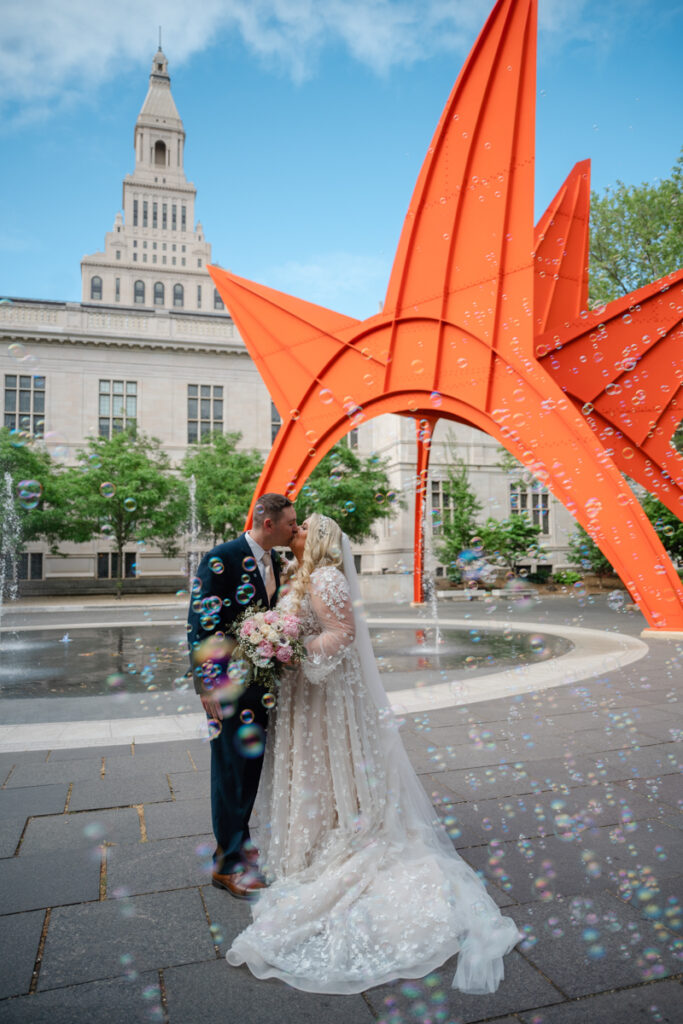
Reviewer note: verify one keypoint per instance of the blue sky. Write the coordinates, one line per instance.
(307, 122)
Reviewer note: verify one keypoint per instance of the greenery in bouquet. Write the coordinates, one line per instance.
(268, 641)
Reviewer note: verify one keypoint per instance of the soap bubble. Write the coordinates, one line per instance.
(107, 490)
(250, 740)
(268, 700)
(325, 396)
(245, 593)
(247, 716)
(616, 600)
(214, 727)
(249, 564)
(130, 504)
(29, 493)
(216, 566)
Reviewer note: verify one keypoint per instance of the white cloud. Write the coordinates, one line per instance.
(52, 54)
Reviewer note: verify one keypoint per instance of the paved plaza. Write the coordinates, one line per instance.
(566, 798)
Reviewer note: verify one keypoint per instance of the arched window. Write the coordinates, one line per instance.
(139, 293)
(159, 154)
(158, 294)
(217, 300)
(96, 287)
(178, 295)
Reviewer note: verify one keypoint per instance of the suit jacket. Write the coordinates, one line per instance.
(220, 573)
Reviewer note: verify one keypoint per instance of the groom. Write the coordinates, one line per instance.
(241, 573)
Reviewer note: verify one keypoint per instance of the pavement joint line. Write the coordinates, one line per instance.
(39, 955)
(143, 825)
(162, 994)
(103, 872)
(47, 756)
(68, 798)
(545, 976)
(23, 833)
(103, 770)
(207, 915)
(189, 754)
(9, 775)
(170, 786)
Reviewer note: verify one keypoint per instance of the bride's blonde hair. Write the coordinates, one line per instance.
(323, 547)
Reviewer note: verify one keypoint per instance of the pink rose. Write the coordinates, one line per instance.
(284, 654)
(271, 618)
(246, 628)
(290, 627)
(266, 650)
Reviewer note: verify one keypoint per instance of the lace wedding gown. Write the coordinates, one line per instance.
(365, 886)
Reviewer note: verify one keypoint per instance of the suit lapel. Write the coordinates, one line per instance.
(254, 575)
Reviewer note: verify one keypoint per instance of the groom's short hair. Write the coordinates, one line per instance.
(270, 506)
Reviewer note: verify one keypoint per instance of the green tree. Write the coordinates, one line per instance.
(585, 553)
(353, 490)
(636, 235)
(125, 489)
(459, 514)
(506, 541)
(35, 491)
(225, 481)
(668, 526)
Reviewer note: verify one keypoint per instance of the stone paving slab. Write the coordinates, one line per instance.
(523, 987)
(29, 800)
(586, 945)
(228, 916)
(543, 868)
(54, 772)
(10, 834)
(646, 1004)
(87, 830)
(134, 868)
(667, 788)
(121, 1001)
(49, 879)
(106, 792)
(548, 813)
(647, 762)
(20, 757)
(190, 785)
(155, 762)
(180, 818)
(19, 940)
(87, 942)
(215, 991)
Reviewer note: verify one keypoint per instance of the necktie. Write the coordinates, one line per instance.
(269, 576)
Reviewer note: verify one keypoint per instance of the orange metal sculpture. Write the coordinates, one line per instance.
(472, 331)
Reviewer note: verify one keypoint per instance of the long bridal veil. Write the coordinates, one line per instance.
(485, 935)
(366, 887)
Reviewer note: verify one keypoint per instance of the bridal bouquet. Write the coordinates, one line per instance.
(267, 640)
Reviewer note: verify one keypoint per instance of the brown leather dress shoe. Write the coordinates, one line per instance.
(242, 885)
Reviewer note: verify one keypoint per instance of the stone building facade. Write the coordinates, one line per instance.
(151, 341)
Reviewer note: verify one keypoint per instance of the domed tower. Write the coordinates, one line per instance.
(154, 256)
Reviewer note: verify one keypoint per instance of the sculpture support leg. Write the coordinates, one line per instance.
(424, 429)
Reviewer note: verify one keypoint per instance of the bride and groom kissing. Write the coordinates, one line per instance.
(356, 882)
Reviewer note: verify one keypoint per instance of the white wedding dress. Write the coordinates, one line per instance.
(365, 885)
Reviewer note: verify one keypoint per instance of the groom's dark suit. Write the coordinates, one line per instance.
(234, 778)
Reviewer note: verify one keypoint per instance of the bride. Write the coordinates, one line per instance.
(364, 884)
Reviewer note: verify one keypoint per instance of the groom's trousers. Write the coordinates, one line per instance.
(234, 782)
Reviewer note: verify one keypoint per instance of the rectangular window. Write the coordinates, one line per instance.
(154, 214)
(204, 411)
(135, 213)
(534, 501)
(117, 406)
(117, 289)
(174, 215)
(144, 213)
(135, 257)
(108, 564)
(275, 421)
(199, 296)
(352, 437)
(25, 403)
(30, 566)
(164, 215)
(183, 218)
(118, 254)
(440, 505)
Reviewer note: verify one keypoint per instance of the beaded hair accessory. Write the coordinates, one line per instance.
(324, 525)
